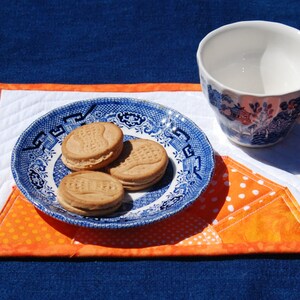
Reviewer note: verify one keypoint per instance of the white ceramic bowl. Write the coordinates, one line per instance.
(250, 73)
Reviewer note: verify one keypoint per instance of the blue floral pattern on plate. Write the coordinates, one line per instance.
(38, 169)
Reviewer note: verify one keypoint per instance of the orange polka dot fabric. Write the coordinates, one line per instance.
(240, 212)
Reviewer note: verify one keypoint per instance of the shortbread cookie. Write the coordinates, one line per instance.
(141, 164)
(90, 193)
(92, 146)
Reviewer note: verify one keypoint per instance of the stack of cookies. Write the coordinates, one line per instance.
(104, 166)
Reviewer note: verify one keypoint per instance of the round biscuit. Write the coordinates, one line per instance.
(90, 193)
(92, 146)
(140, 163)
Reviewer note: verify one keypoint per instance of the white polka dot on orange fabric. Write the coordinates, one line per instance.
(185, 231)
(207, 237)
(243, 185)
(215, 222)
(230, 208)
(242, 196)
(255, 192)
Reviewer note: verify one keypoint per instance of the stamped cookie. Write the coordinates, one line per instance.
(90, 193)
(141, 164)
(92, 146)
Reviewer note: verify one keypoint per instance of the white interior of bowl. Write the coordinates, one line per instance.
(254, 57)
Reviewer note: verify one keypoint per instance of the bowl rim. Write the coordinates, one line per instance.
(267, 24)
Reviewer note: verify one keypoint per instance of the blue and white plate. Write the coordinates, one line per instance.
(37, 167)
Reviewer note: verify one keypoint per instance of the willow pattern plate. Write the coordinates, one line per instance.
(37, 167)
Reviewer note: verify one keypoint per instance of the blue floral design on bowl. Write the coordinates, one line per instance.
(254, 122)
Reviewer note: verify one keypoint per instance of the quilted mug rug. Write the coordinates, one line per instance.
(239, 212)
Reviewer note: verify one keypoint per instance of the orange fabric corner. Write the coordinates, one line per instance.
(220, 222)
(271, 216)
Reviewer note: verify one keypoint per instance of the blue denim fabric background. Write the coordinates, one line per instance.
(118, 41)
(84, 42)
